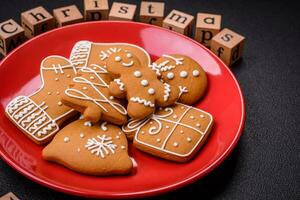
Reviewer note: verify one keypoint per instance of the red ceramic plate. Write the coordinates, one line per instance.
(19, 75)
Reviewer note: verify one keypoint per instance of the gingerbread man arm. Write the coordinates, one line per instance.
(169, 97)
(117, 88)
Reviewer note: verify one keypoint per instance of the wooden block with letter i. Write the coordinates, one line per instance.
(122, 11)
(207, 26)
(36, 21)
(152, 12)
(11, 36)
(96, 10)
(228, 46)
(67, 15)
(179, 22)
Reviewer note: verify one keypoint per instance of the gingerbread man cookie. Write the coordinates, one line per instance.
(175, 133)
(94, 149)
(183, 72)
(139, 84)
(41, 114)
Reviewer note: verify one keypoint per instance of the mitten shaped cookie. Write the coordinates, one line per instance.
(41, 114)
(94, 149)
(182, 72)
(175, 133)
(139, 84)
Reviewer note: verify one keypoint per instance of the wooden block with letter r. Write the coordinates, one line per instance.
(228, 46)
(152, 12)
(67, 15)
(36, 21)
(122, 11)
(11, 36)
(179, 22)
(207, 26)
(96, 10)
(9, 196)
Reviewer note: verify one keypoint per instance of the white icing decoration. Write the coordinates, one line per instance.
(123, 147)
(80, 53)
(183, 74)
(101, 146)
(181, 131)
(56, 79)
(118, 58)
(117, 137)
(92, 78)
(105, 54)
(120, 133)
(59, 103)
(78, 149)
(103, 126)
(119, 83)
(198, 125)
(174, 116)
(144, 83)
(189, 139)
(129, 55)
(68, 75)
(57, 93)
(192, 117)
(167, 90)
(182, 90)
(66, 139)
(158, 140)
(175, 144)
(81, 135)
(151, 91)
(88, 123)
(137, 74)
(142, 101)
(81, 117)
(196, 73)
(49, 93)
(128, 64)
(167, 127)
(202, 116)
(170, 75)
(111, 97)
(85, 88)
(178, 61)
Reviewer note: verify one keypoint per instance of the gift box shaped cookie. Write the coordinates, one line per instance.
(174, 133)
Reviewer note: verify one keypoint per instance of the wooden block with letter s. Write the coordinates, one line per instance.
(67, 15)
(122, 11)
(152, 12)
(96, 10)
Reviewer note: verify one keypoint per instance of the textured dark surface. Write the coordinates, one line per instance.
(266, 162)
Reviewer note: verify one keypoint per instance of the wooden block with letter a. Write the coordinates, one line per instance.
(36, 21)
(11, 36)
(122, 11)
(152, 12)
(179, 22)
(228, 46)
(207, 26)
(9, 196)
(96, 10)
(67, 15)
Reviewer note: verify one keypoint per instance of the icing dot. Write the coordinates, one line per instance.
(137, 74)
(142, 132)
(174, 116)
(92, 78)
(151, 91)
(182, 107)
(66, 139)
(151, 122)
(192, 117)
(175, 144)
(78, 149)
(196, 73)
(170, 75)
(183, 74)
(85, 88)
(129, 55)
(160, 108)
(88, 123)
(94, 68)
(202, 116)
(81, 135)
(57, 92)
(181, 131)
(111, 97)
(56, 79)
(118, 58)
(144, 82)
(167, 127)
(49, 93)
(123, 147)
(198, 125)
(68, 75)
(117, 137)
(120, 133)
(81, 117)
(188, 139)
(158, 140)
(59, 103)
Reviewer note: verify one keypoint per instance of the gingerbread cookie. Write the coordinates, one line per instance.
(183, 72)
(175, 133)
(94, 149)
(139, 84)
(40, 114)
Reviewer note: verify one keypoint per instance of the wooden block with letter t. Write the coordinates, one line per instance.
(36, 21)
(207, 26)
(96, 10)
(228, 46)
(152, 12)
(11, 36)
(179, 22)
(67, 15)
(122, 11)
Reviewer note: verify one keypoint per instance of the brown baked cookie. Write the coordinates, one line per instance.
(99, 149)
(183, 72)
(138, 84)
(40, 114)
(175, 133)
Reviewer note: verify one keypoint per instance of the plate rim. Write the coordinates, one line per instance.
(145, 193)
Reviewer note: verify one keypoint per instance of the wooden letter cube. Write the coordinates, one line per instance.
(96, 10)
(67, 15)
(207, 26)
(36, 21)
(152, 12)
(9, 196)
(11, 36)
(228, 45)
(179, 22)
(122, 11)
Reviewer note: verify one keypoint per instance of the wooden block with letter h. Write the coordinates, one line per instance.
(96, 10)
(152, 12)
(207, 26)
(36, 21)
(67, 15)
(228, 46)
(11, 36)
(179, 22)
(122, 11)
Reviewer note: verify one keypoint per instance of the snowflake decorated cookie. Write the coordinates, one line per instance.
(183, 72)
(136, 82)
(41, 114)
(174, 133)
(94, 149)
